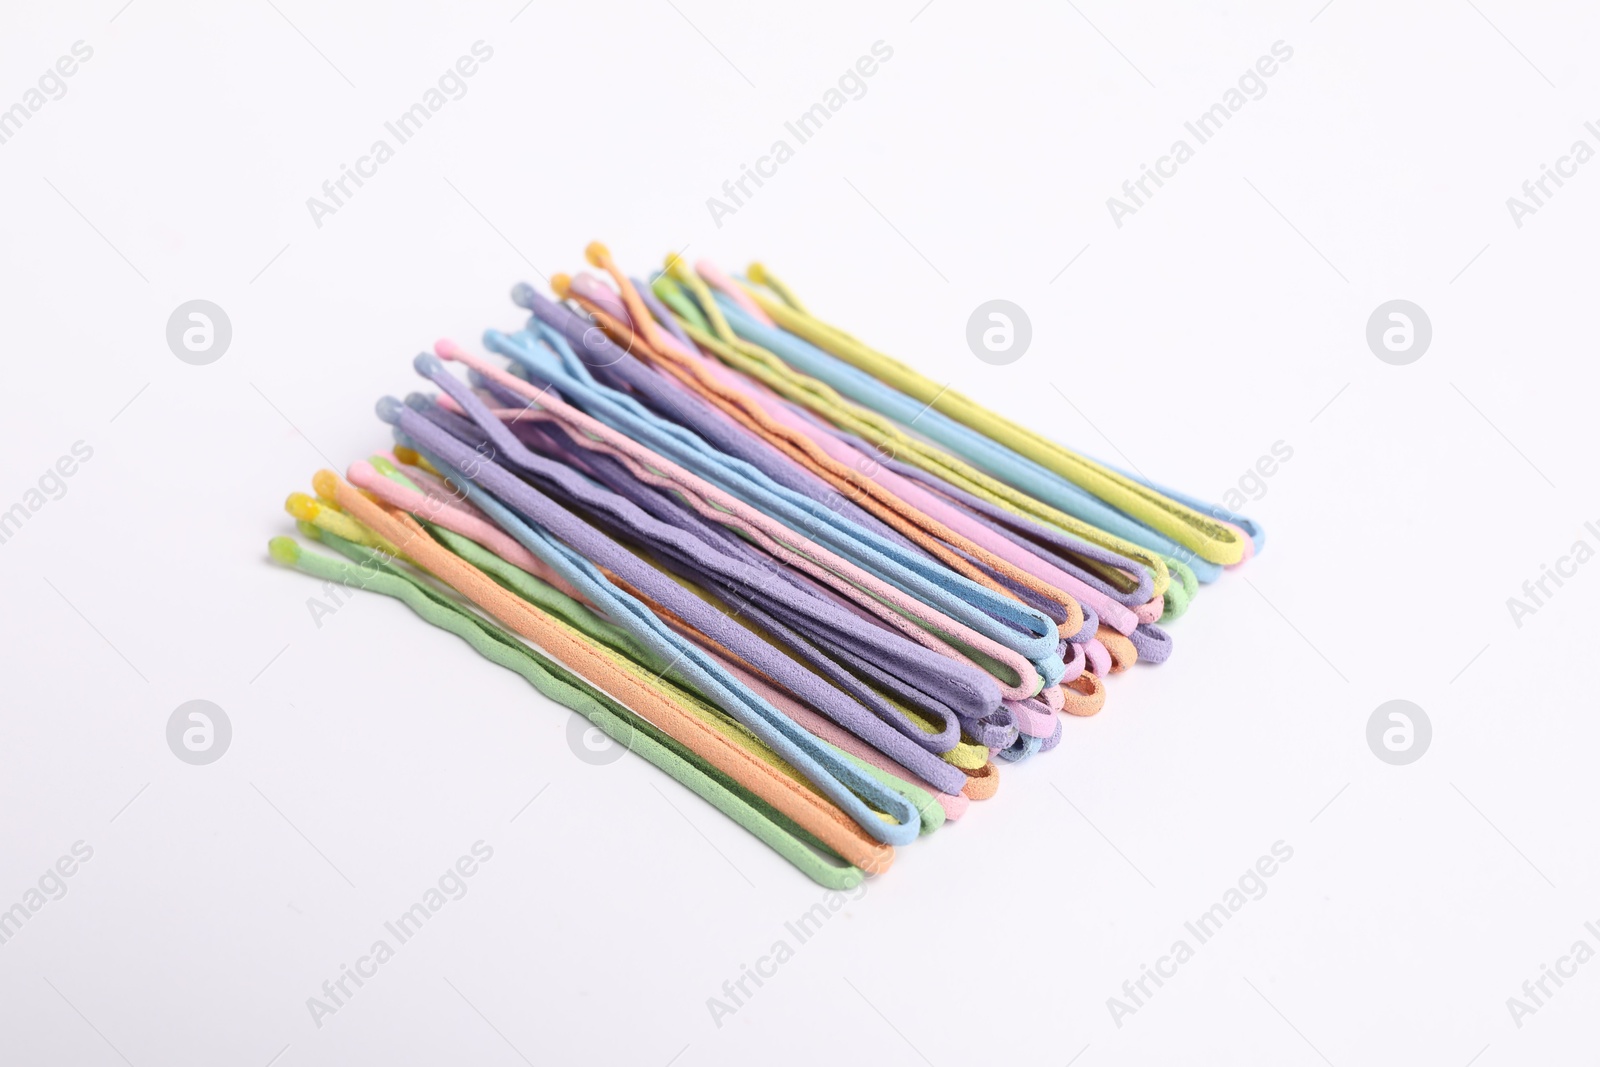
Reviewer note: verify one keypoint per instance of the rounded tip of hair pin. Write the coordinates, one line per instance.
(522, 295)
(445, 348)
(596, 254)
(308, 531)
(284, 550)
(427, 364)
(407, 455)
(326, 483)
(301, 507)
(388, 409)
(674, 265)
(756, 273)
(561, 285)
(419, 401)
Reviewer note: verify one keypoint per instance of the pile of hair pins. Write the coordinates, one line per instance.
(822, 591)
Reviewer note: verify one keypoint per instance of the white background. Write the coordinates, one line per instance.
(1227, 314)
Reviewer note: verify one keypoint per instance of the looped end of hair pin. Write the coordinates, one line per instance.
(326, 483)
(388, 409)
(285, 550)
(302, 507)
(675, 267)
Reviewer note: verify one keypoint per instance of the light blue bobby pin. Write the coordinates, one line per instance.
(1251, 528)
(544, 355)
(557, 334)
(992, 457)
(842, 782)
(923, 579)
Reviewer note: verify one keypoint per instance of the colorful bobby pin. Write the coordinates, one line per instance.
(821, 591)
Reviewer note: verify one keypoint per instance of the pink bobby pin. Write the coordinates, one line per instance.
(433, 509)
(592, 288)
(1113, 614)
(835, 574)
(778, 540)
(1249, 547)
(434, 486)
(1150, 610)
(1034, 717)
(953, 804)
(596, 291)
(718, 280)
